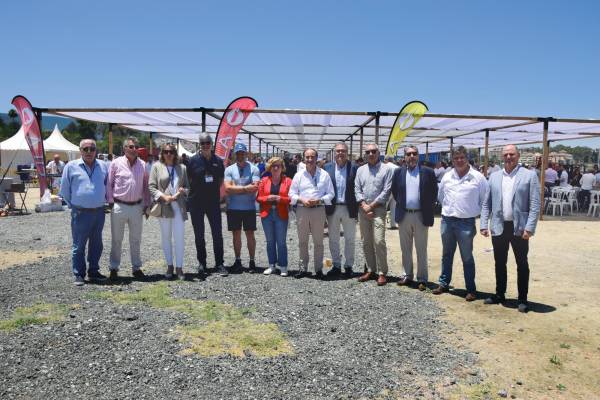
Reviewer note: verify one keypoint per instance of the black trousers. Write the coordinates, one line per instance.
(520, 248)
(213, 213)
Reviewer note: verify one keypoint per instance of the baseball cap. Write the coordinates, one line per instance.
(240, 147)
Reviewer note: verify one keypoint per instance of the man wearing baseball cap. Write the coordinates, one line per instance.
(241, 184)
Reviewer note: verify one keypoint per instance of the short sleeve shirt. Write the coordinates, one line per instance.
(242, 177)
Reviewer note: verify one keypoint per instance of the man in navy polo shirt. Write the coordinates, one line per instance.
(241, 185)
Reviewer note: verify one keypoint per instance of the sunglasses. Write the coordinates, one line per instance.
(88, 149)
(412, 153)
(205, 143)
(171, 152)
(275, 166)
(371, 152)
(133, 146)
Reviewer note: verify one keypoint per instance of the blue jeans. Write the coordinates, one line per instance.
(86, 227)
(276, 234)
(459, 231)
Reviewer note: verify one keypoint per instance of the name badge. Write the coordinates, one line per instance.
(208, 178)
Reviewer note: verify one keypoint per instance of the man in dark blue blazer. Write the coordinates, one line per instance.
(415, 189)
(343, 211)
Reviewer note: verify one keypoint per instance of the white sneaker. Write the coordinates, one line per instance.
(269, 270)
(283, 271)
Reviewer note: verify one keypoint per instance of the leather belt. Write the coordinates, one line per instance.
(340, 204)
(129, 203)
(411, 210)
(87, 209)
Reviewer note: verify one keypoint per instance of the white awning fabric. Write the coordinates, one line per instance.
(294, 130)
(56, 143)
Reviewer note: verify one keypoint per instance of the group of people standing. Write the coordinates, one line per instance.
(338, 194)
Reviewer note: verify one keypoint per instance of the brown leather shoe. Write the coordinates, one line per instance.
(440, 289)
(366, 277)
(381, 280)
(404, 281)
(422, 287)
(470, 297)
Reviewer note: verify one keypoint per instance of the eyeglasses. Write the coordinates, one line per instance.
(412, 153)
(168, 152)
(88, 149)
(133, 146)
(205, 143)
(371, 152)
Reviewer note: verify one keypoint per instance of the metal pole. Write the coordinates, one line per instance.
(486, 152)
(451, 146)
(361, 143)
(427, 151)
(110, 139)
(543, 167)
(260, 147)
(249, 142)
(150, 145)
(377, 127)
(351, 145)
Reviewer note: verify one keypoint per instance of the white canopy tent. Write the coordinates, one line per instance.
(181, 151)
(14, 151)
(57, 144)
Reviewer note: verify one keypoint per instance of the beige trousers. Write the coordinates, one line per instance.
(132, 216)
(340, 217)
(411, 228)
(311, 221)
(373, 235)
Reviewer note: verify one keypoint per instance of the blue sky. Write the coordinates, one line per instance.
(534, 58)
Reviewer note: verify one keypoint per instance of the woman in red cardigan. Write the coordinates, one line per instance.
(274, 201)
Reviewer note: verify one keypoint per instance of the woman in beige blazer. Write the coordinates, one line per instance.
(169, 186)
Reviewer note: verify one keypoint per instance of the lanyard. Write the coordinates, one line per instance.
(171, 176)
(89, 174)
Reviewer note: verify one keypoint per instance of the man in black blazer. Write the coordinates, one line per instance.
(343, 211)
(415, 189)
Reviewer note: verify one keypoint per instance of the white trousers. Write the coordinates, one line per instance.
(340, 217)
(172, 229)
(132, 216)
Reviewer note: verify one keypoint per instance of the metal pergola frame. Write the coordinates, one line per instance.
(372, 122)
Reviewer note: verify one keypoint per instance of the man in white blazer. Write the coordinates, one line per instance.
(512, 203)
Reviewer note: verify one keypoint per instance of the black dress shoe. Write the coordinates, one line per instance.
(335, 273)
(319, 275)
(301, 274)
(495, 299)
(114, 275)
(138, 274)
(523, 307)
(252, 267)
(348, 271)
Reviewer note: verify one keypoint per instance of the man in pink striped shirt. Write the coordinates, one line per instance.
(128, 195)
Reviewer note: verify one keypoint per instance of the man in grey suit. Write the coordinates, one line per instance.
(512, 202)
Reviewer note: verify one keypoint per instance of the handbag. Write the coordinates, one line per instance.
(156, 209)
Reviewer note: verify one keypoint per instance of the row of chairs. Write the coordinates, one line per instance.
(562, 199)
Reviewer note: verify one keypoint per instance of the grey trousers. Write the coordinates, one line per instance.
(311, 221)
(373, 235)
(412, 229)
(340, 217)
(132, 216)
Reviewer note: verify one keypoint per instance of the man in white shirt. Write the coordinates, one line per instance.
(587, 182)
(55, 167)
(440, 170)
(563, 176)
(550, 176)
(310, 191)
(510, 213)
(461, 195)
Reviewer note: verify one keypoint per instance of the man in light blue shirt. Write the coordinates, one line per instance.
(241, 184)
(83, 187)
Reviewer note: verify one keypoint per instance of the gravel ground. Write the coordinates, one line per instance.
(350, 340)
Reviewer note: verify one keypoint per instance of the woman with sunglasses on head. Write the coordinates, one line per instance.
(169, 186)
(274, 201)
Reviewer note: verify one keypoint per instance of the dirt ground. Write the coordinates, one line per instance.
(554, 350)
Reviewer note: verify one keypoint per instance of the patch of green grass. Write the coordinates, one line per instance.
(565, 346)
(480, 391)
(555, 360)
(561, 387)
(40, 313)
(215, 328)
